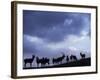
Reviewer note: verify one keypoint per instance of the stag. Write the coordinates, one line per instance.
(43, 61)
(67, 58)
(58, 60)
(82, 55)
(73, 57)
(29, 60)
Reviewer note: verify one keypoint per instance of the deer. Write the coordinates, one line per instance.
(43, 61)
(73, 57)
(29, 60)
(82, 55)
(59, 59)
(38, 61)
(67, 58)
(46, 60)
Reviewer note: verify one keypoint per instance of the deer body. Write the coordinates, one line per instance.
(73, 57)
(58, 60)
(29, 60)
(43, 61)
(82, 55)
(67, 58)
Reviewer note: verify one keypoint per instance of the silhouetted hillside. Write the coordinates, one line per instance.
(81, 62)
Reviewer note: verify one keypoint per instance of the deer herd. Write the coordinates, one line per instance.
(46, 61)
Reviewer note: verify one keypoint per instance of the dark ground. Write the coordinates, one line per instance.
(81, 62)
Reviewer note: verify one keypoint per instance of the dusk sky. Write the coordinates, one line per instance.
(47, 33)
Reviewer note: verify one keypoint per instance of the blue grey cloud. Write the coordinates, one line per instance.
(47, 33)
(53, 26)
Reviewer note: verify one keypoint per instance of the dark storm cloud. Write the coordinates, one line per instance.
(53, 26)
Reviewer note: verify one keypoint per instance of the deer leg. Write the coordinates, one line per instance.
(30, 64)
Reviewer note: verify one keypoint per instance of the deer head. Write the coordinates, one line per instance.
(33, 56)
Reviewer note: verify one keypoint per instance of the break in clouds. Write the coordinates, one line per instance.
(50, 33)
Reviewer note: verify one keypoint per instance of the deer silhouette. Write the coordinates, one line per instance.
(67, 58)
(38, 61)
(82, 55)
(29, 60)
(54, 60)
(58, 60)
(73, 57)
(43, 61)
(46, 60)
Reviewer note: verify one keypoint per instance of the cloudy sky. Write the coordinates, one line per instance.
(51, 33)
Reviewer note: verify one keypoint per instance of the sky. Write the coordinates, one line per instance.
(48, 34)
